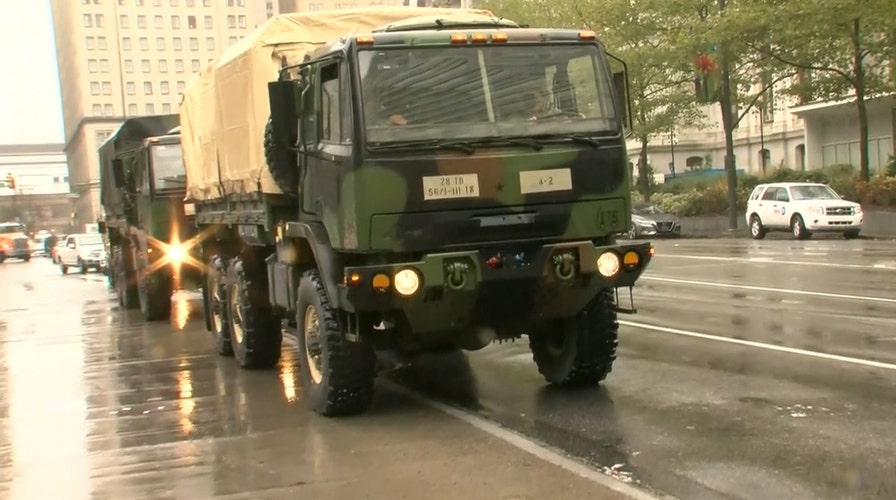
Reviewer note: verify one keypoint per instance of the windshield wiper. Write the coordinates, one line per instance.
(175, 178)
(504, 141)
(462, 146)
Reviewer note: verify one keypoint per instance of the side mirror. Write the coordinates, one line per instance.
(285, 106)
(101, 226)
(623, 103)
(118, 174)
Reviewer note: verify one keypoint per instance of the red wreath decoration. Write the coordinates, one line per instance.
(706, 64)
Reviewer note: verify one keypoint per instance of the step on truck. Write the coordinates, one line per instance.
(410, 180)
(148, 228)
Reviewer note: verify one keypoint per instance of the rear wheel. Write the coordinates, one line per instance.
(757, 230)
(255, 331)
(337, 374)
(214, 295)
(578, 351)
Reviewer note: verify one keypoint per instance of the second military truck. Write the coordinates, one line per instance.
(413, 180)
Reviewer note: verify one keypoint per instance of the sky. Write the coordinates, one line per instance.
(30, 105)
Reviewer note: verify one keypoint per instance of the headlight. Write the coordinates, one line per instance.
(858, 209)
(816, 210)
(176, 253)
(608, 264)
(406, 282)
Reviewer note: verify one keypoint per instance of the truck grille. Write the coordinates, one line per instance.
(839, 211)
(20, 244)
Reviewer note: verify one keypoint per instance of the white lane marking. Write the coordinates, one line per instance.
(771, 347)
(518, 440)
(771, 260)
(524, 443)
(771, 289)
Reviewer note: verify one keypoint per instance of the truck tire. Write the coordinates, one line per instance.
(282, 163)
(337, 375)
(125, 282)
(214, 300)
(155, 296)
(255, 332)
(583, 351)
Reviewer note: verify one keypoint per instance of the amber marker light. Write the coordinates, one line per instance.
(459, 38)
(631, 259)
(364, 40)
(479, 38)
(587, 35)
(381, 282)
(499, 37)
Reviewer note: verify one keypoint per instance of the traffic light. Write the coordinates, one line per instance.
(11, 181)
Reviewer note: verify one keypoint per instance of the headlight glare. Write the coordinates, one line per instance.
(608, 264)
(406, 282)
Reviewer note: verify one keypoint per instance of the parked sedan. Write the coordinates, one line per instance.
(651, 221)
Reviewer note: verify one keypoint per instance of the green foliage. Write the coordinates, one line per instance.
(693, 197)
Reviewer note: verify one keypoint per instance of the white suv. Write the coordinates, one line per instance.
(801, 208)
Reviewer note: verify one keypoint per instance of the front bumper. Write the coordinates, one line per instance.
(16, 253)
(497, 287)
(660, 229)
(833, 223)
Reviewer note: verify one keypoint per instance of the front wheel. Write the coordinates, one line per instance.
(337, 375)
(578, 351)
(798, 228)
(851, 235)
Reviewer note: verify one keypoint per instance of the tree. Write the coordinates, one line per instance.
(660, 82)
(841, 48)
(729, 70)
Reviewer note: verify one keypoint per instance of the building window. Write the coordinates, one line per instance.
(104, 65)
(99, 20)
(126, 43)
(210, 43)
(158, 21)
(209, 22)
(107, 88)
(179, 65)
(147, 88)
(194, 43)
(132, 109)
(150, 109)
(230, 3)
(241, 3)
(180, 87)
(195, 65)
(231, 21)
(173, 3)
(101, 136)
(144, 66)
(190, 3)
(164, 88)
(144, 43)
(130, 88)
(128, 66)
(101, 43)
(139, 3)
(177, 43)
(191, 22)
(156, 3)
(206, 3)
(92, 65)
(141, 21)
(231, 40)
(166, 108)
(108, 110)
(124, 21)
(90, 42)
(95, 88)
(242, 21)
(163, 66)
(175, 22)
(160, 43)
(88, 20)
(97, 110)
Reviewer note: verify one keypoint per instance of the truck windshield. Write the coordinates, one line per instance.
(419, 93)
(11, 228)
(167, 167)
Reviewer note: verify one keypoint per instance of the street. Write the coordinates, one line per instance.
(752, 370)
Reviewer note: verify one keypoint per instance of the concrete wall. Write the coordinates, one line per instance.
(878, 223)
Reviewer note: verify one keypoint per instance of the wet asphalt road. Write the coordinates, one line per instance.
(705, 401)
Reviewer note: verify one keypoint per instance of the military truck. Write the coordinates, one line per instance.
(411, 180)
(149, 229)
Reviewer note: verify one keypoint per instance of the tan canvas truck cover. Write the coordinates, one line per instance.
(225, 106)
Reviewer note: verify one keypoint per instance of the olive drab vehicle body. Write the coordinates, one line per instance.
(444, 179)
(146, 222)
